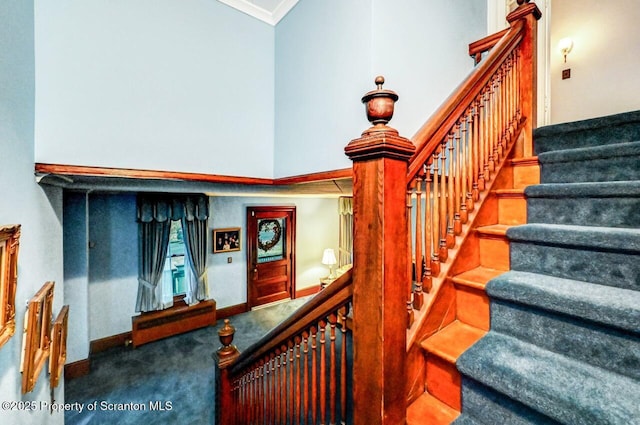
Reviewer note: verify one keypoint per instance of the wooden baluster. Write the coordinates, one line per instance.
(427, 282)
(435, 259)
(482, 127)
(271, 388)
(504, 129)
(333, 371)
(277, 393)
(497, 131)
(409, 309)
(451, 239)
(305, 377)
(472, 157)
(283, 384)
(465, 189)
(314, 375)
(417, 294)
(298, 397)
(323, 373)
(491, 117)
(343, 365)
(443, 252)
(291, 388)
(457, 189)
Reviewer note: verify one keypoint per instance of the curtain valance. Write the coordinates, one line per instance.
(163, 207)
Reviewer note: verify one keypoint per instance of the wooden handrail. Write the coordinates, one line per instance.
(333, 297)
(477, 48)
(436, 128)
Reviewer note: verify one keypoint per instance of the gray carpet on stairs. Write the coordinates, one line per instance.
(564, 343)
(178, 372)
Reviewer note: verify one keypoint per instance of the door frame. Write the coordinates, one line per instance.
(290, 245)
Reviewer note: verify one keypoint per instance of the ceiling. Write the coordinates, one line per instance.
(269, 11)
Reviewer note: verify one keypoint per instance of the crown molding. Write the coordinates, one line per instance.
(269, 17)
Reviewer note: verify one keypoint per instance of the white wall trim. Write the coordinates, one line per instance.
(271, 18)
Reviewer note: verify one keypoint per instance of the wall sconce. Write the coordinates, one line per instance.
(565, 45)
(329, 259)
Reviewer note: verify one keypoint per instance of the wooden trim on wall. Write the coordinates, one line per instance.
(103, 344)
(232, 310)
(311, 290)
(131, 173)
(77, 369)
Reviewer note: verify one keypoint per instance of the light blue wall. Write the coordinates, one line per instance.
(323, 67)
(113, 264)
(154, 84)
(328, 54)
(39, 211)
(76, 273)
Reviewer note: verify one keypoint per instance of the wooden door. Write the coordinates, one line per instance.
(270, 254)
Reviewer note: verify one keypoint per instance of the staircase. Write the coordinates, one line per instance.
(483, 256)
(564, 343)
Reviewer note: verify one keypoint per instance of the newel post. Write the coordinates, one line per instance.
(527, 72)
(380, 266)
(225, 357)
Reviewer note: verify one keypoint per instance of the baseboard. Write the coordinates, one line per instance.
(77, 369)
(232, 310)
(311, 290)
(102, 344)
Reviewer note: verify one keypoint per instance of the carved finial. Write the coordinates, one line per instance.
(521, 2)
(379, 103)
(226, 334)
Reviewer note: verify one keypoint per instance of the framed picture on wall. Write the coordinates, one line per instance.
(226, 240)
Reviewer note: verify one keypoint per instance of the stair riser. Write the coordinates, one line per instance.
(472, 307)
(483, 405)
(494, 252)
(594, 170)
(616, 269)
(443, 381)
(598, 345)
(525, 175)
(606, 212)
(512, 210)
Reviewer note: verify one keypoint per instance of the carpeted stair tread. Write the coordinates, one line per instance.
(569, 391)
(591, 152)
(614, 189)
(482, 405)
(428, 410)
(624, 127)
(606, 305)
(476, 278)
(452, 340)
(604, 238)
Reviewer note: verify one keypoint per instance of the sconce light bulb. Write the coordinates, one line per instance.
(566, 44)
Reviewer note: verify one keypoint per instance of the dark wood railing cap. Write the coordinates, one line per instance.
(380, 140)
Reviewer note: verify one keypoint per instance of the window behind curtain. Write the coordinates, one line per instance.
(173, 275)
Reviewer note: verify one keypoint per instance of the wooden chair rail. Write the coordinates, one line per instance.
(333, 297)
(428, 138)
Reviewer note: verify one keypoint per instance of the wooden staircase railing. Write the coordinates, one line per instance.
(297, 373)
(411, 200)
(459, 147)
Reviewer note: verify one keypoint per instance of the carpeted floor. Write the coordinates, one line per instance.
(165, 382)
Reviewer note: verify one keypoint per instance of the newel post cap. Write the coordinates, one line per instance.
(380, 140)
(228, 352)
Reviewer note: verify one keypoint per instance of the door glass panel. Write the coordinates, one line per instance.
(271, 232)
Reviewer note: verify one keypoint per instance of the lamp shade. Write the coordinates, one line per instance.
(329, 257)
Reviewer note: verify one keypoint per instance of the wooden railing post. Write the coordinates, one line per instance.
(527, 72)
(380, 241)
(225, 356)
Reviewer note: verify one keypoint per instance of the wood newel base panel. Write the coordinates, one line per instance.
(225, 405)
(379, 292)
